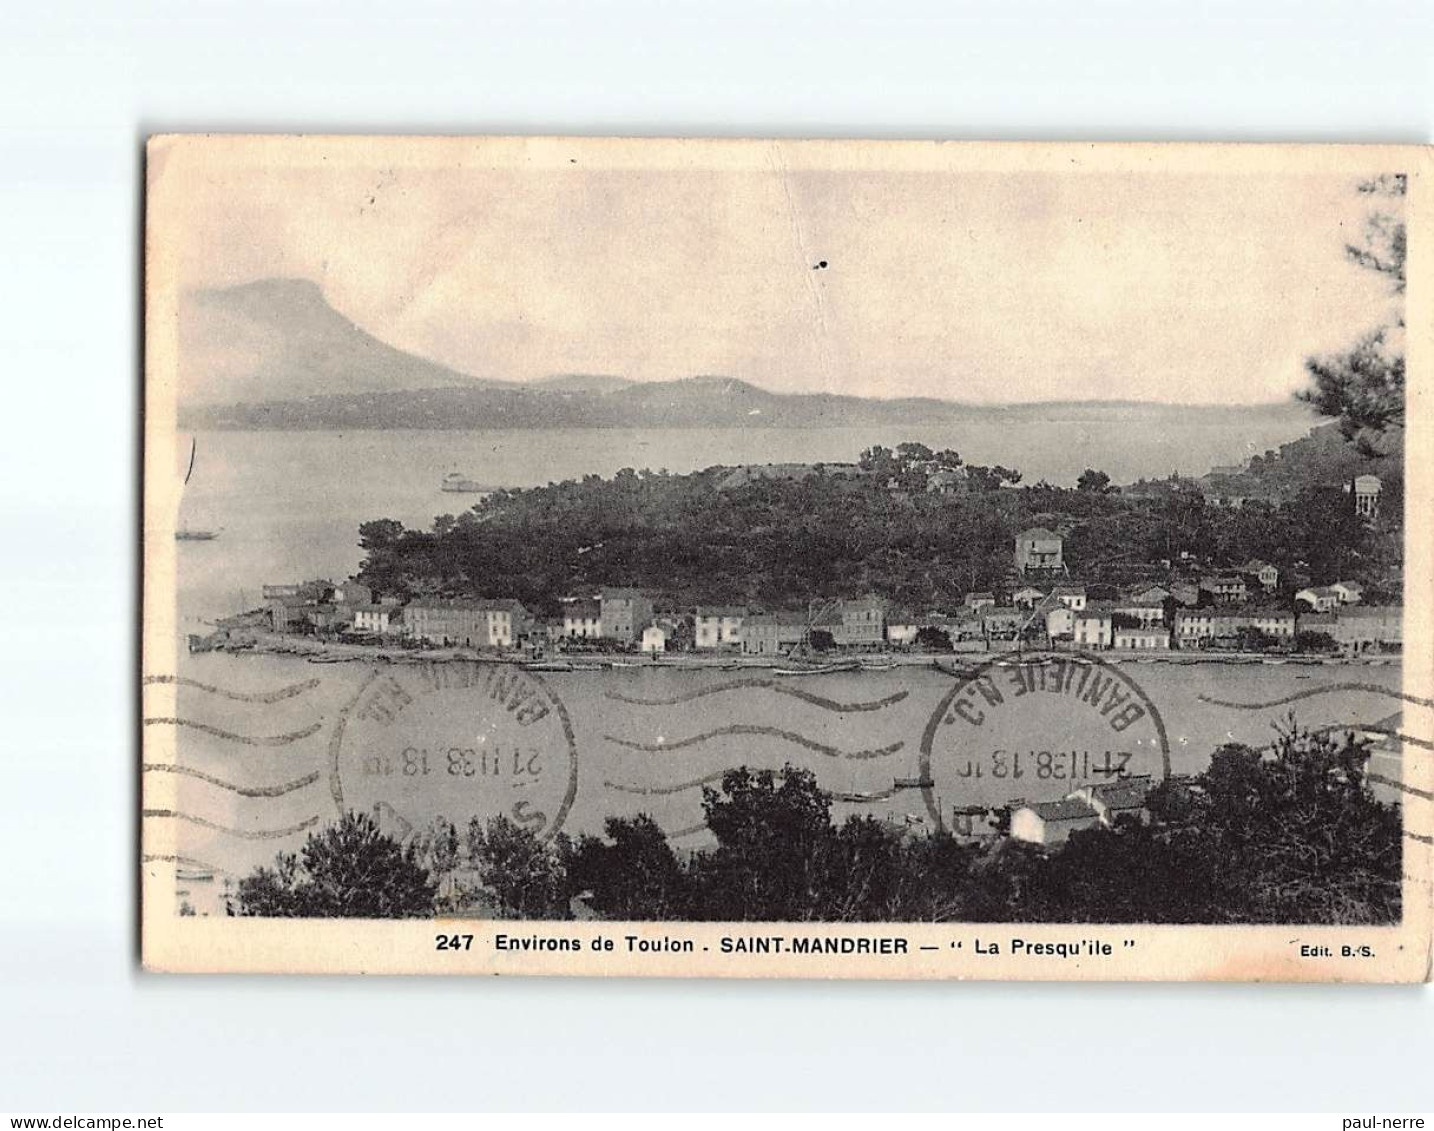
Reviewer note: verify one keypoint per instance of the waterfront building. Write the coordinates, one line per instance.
(1141, 638)
(1369, 628)
(465, 622)
(862, 624)
(901, 628)
(773, 634)
(582, 620)
(1146, 613)
(376, 618)
(1279, 623)
(623, 613)
(654, 639)
(718, 626)
(1060, 623)
(1092, 627)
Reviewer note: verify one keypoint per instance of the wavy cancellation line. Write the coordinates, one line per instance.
(242, 791)
(230, 736)
(755, 731)
(668, 790)
(1310, 693)
(246, 834)
(762, 684)
(275, 696)
(183, 861)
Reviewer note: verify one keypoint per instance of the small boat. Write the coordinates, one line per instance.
(548, 666)
(912, 783)
(458, 482)
(184, 534)
(824, 669)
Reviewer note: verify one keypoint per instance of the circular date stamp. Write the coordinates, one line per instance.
(455, 740)
(1037, 728)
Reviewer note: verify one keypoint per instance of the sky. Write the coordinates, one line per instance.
(974, 286)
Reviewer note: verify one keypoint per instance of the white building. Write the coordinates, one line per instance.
(1052, 822)
(719, 627)
(1093, 628)
(1366, 495)
(1321, 599)
(1145, 637)
(1060, 623)
(375, 618)
(1348, 592)
(582, 620)
(654, 639)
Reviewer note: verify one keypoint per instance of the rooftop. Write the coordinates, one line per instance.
(1066, 809)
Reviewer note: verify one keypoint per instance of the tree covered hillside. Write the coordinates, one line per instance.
(714, 537)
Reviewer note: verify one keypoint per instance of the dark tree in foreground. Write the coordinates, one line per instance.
(634, 874)
(350, 870)
(772, 830)
(520, 873)
(1364, 388)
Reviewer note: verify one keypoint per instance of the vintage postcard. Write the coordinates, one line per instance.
(787, 559)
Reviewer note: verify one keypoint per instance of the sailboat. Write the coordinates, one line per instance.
(184, 533)
(457, 481)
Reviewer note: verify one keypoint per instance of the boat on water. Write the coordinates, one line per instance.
(456, 481)
(548, 666)
(823, 669)
(912, 783)
(186, 535)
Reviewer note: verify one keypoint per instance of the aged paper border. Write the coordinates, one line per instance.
(1164, 953)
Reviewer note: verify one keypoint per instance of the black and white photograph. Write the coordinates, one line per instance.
(549, 533)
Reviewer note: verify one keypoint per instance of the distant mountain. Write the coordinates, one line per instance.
(694, 402)
(274, 354)
(582, 383)
(279, 340)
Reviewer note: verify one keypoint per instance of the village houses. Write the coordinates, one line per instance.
(1267, 575)
(1319, 599)
(582, 620)
(773, 634)
(1093, 627)
(862, 624)
(469, 623)
(1027, 597)
(623, 614)
(1225, 589)
(718, 626)
(1101, 805)
(1039, 550)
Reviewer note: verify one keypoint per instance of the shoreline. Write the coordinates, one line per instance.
(336, 652)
